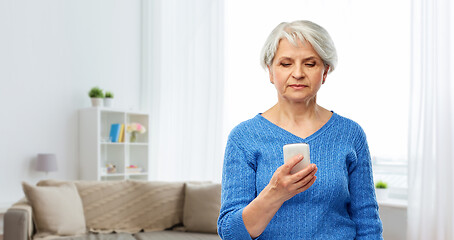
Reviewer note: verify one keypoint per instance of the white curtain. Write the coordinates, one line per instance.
(183, 87)
(431, 143)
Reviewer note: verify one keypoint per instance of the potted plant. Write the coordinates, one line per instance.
(381, 190)
(96, 96)
(108, 99)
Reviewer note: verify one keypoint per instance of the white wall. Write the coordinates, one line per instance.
(51, 53)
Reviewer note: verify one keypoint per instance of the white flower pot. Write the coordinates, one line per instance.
(108, 102)
(382, 194)
(96, 102)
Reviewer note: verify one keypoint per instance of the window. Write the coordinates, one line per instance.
(370, 84)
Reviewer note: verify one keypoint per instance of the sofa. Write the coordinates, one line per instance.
(115, 210)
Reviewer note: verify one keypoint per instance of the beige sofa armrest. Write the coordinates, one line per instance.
(18, 223)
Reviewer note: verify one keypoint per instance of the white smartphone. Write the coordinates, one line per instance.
(291, 150)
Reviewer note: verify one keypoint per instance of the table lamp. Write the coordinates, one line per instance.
(46, 163)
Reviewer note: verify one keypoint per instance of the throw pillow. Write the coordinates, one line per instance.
(201, 207)
(57, 210)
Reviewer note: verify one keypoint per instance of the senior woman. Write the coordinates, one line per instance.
(332, 198)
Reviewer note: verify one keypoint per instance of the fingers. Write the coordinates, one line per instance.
(309, 170)
(307, 185)
(307, 178)
(299, 179)
(284, 185)
(288, 166)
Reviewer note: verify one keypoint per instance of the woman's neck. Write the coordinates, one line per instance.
(301, 119)
(297, 113)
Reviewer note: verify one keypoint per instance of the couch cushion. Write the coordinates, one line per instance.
(57, 210)
(93, 236)
(130, 206)
(174, 235)
(201, 207)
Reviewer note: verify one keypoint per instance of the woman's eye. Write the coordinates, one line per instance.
(286, 64)
(310, 64)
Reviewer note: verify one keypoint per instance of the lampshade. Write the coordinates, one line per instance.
(46, 162)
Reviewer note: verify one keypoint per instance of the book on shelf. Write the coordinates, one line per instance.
(115, 132)
(121, 138)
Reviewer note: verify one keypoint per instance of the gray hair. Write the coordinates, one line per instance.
(316, 35)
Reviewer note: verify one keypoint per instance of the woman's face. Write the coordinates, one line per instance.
(297, 72)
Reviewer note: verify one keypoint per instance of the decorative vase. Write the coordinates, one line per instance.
(96, 102)
(108, 102)
(382, 194)
(133, 137)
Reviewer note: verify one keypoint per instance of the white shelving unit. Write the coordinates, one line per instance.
(96, 150)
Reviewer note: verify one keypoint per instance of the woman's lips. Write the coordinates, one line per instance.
(297, 86)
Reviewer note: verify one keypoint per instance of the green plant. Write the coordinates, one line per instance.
(96, 92)
(381, 184)
(109, 95)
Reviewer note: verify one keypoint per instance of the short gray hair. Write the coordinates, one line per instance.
(316, 35)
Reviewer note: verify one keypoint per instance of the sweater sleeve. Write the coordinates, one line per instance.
(238, 190)
(363, 207)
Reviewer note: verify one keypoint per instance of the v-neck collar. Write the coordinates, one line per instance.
(310, 137)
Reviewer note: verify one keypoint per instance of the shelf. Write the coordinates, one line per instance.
(115, 110)
(124, 143)
(137, 144)
(391, 202)
(137, 174)
(112, 175)
(112, 143)
(96, 151)
(123, 174)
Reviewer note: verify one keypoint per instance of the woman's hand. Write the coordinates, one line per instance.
(282, 186)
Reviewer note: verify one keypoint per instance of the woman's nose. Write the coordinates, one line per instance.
(298, 73)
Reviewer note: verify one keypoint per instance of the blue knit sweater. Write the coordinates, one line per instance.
(339, 205)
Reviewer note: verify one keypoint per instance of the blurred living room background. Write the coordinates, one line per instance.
(192, 68)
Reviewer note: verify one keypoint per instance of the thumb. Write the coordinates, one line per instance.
(293, 161)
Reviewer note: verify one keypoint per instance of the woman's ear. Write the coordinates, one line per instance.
(270, 74)
(325, 74)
